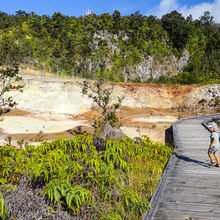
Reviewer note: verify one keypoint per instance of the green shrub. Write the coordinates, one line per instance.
(75, 175)
(60, 191)
(111, 216)
(3, 209)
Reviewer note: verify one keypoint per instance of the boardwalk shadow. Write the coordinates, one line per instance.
(187, 159)
(169, 136)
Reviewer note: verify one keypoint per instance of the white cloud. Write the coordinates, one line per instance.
(196, 11)
(168, 5)
(165, 7)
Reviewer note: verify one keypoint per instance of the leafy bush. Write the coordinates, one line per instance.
(3, 209)
(111, 216)
(61, 191)
(85, 180)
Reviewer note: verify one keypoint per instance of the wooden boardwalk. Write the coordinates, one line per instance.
(188, 189)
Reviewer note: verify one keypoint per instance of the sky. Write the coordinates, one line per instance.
(146, 7)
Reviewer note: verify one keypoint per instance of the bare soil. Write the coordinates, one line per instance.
(155, 130)
(148, 109)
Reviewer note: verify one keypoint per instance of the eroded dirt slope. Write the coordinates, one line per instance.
(53, 106)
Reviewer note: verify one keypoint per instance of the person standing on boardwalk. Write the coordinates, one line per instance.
(214, 124)
(214, 145)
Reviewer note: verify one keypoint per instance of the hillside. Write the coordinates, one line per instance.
(132, 48)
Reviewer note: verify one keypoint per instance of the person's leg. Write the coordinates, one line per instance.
(217, 158)
(210, 151)
(211, 157)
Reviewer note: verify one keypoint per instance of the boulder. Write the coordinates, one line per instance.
(202, 102)
(112, 133)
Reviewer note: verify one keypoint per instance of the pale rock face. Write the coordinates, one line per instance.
(62, 98)
(207, 92)
(151, 68)
(20, 124)
(183, 61)
(51, 102)
(56, 97)
(112, 40)
(212, 91)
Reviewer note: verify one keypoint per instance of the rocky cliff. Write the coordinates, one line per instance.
(149, 67)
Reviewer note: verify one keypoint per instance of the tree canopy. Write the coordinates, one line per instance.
(110, 46)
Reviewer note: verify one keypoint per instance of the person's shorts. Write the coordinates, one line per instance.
(213, 150)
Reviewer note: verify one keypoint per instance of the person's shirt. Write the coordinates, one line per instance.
(216, 136)
(215, 126)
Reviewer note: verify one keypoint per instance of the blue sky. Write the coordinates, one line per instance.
(126, 7)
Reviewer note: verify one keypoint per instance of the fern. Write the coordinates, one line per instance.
(5, 168)
(76, 197)
(3, 209)
(2, 181)
(90, 178)
(106, 183)
(116, 176)
(112, 215)
(132, 203)
(55, 190)
(129, 198)
(61, 191)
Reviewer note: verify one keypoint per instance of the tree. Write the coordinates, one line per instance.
(116, 21)
(206, 19)
(8, 81)
(176, 26)
(103, 98)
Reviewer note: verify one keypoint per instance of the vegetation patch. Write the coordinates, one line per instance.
(114, 47)
(80, 178)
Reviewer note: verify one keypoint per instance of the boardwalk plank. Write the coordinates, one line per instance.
(190, 189)
(192, 198)
(178, 216)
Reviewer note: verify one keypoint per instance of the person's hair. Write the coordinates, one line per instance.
(214, 119)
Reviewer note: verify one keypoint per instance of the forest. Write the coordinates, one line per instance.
(111, 46)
